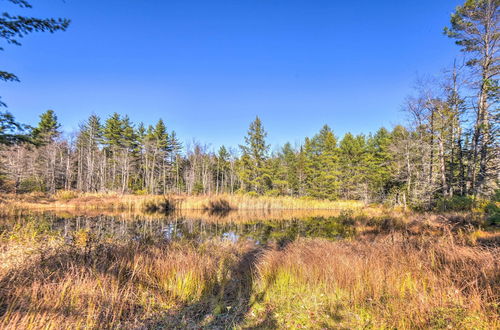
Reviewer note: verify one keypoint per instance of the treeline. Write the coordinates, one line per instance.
(449, 147)
(402, 165)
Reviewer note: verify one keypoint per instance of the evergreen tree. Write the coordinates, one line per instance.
(256, 151)
(322, 165)
(379, 162)
(353, 167)
(222, 172)
(289, 165)
(88, 147)
(113, 132)
(11, 131)
(47, 130)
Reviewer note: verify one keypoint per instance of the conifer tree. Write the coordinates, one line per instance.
(11, 131)
(289, 165)
(47, 129)
(256, 151)
(353, 167)
(379, 162)
(113, 142)
(322, 166)
(222, 171)
(175, 147)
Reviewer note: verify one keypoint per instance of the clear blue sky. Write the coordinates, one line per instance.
(208, 67)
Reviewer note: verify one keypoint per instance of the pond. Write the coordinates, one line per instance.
(261, 228)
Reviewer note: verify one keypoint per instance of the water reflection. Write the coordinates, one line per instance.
(262, 228)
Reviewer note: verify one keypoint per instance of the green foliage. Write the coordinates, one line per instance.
(353, 162)
(31, 184)
(492, 211)
(322, 165)
(11, 131)
(253, 168)
(47, 130)
(198, 188)
(455, 203)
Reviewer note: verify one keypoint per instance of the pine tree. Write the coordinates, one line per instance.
(322, 165)
(88, 145)
(289, 168)
(175, 161)
(222, 171)
(353, 167)
(379, 161)
(47, 130)
(113, 142)
(11, 131)
(255, 152)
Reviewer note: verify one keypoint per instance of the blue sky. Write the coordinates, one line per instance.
(209, 67)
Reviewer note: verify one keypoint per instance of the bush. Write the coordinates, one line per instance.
(273, 193)
(66, 195)
(252, 194)
(198, 188)
(455, 203)
(492, 211)
(31, 185)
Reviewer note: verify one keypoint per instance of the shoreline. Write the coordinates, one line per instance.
(222, 202)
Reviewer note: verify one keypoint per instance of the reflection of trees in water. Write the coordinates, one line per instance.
(179, 227)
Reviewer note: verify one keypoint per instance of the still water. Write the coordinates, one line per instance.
(261, 228)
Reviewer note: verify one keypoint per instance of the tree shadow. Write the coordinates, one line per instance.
(222, 307)
(226, 306)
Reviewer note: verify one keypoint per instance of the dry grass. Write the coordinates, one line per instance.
(116, 286)
(113, 201)
(392, 282)
(400, 270)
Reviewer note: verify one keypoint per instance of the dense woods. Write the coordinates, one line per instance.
(449, 146)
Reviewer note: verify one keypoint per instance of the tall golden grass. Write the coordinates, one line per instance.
(113, 201)
(400, 270)
(119, 286)
(393, 282)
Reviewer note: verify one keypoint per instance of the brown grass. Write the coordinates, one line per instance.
(401, 270)
(117, 286)
(392, 282)
(117, 202)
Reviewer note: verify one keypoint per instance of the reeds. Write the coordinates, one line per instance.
(113, 201)
(115, 286)
(392, 282)
(397, 270)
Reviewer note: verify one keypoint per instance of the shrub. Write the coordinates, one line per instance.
(455, 203)
(31, 185)
(66, 195)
